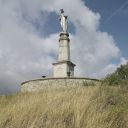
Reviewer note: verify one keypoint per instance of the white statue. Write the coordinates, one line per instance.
(63, 21)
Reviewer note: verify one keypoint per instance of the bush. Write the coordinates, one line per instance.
(119, 77)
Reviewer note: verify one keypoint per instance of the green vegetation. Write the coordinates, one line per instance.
(85, 106)
(120, 77)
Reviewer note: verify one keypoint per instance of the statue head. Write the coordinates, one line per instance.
(62, 10)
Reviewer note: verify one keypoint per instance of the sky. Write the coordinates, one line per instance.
(29, 32)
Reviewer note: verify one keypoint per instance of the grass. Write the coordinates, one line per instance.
(76, 107)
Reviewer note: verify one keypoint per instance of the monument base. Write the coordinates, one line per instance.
(63, 69)
(40, 84)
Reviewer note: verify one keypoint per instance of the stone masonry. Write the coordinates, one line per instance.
(39, 84)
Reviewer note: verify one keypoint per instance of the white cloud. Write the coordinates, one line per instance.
(24, 54)
(123, 61)
(110, 68)
(96, 49)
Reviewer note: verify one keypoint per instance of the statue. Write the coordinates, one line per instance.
(63, 21)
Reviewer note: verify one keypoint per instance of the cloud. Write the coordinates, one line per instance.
(110, 68)
(26, 54)
(123, 61)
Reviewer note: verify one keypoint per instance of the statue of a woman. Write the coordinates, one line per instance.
(63, 21)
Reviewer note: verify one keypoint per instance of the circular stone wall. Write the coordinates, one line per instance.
(39, 84)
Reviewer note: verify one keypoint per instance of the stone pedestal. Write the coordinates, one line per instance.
(64, 67)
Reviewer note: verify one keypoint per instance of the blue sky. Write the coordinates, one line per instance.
(114, 20)
(29, 32)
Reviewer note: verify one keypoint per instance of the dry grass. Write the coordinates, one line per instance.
(78, 107)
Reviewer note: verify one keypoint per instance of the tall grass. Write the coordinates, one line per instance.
(78, 107)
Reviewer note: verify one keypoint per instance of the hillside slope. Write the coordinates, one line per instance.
(81, 107)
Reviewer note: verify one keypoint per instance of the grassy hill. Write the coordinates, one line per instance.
(78, 107)
(87, 106)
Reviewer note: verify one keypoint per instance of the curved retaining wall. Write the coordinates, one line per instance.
(39, 84)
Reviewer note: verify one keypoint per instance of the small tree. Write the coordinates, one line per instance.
(120, 76)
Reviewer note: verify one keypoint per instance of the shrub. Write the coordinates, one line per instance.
(119, 77)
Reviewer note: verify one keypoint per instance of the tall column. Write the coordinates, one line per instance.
(64, 47)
